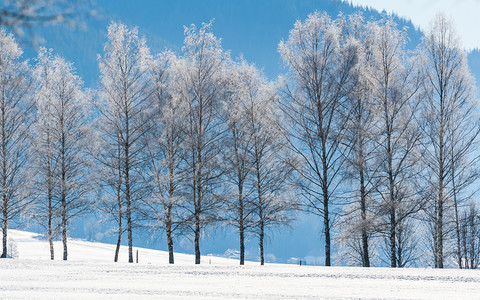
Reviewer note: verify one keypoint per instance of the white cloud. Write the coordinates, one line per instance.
(465, 14)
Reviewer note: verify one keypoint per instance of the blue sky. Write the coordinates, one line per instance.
(247, 27)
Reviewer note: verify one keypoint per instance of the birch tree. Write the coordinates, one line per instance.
(64, 108)
(273, 199)
(320, 64)
(447, 95)
(359, 214)
(165, 154)
(396, 83)
(46, 210)
(16, 110)
(253, 153)
(198, 83)
(124, 109)
(243, 86)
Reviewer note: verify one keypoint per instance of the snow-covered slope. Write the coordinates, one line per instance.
(90, 274)
(28, 245)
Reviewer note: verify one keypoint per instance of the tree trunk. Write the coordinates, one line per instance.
(119, 241)
(262, 235)
(326, 224)
(168, 229)
(441, 171)
(241, 225)
(457, 221)
(119, 238)
(119, 201)
(400, 262)
(391, 183)
(129, 228)
(64, 229)
(240, 176)
(439, 233)
(393, 246)
(197, 238)
(199, 198)
(435, 239)
(128, 199)
(171, 259)
(464, 243)
(4, 186)
(64, 195)
(64, 219)
(242, 244)
(326, 217)
(50, 230)
(4, 233)
(171, 190)
(50, 197)
(473, 237)
(363, 195)
(260, 206)
(363, 208)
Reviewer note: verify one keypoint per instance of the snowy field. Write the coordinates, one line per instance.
(90, 274)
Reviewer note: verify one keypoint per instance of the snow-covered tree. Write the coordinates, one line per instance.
(447, 105)
(198, 78)
(253, 149)
(395, 80)
(164, 149)
(16, 110)
(272, 197)
(243, 82)
(320, 64)
(45, 163)
(358, 214)
(61, 137)
(124, 108)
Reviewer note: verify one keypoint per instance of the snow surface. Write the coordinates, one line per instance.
(91, 274)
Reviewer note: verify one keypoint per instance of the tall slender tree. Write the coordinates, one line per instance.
(198, 83)
(447, 95)
(243, 85)
(272, 197)
(358, 215)
(64, 110)
(254, 151)
(165, 155)
(124, 108)
(320, 64)
(396, 82)
(16, 110)
(45, 159)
